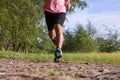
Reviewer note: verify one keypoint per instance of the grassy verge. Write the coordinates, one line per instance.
(87, 57)
(20, 55)
(94, 57)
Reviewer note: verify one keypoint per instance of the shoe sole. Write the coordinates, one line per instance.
(58, 55)
(57, 60)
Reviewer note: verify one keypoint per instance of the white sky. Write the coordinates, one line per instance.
(100, 13)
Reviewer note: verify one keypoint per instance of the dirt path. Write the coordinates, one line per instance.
(16, 69)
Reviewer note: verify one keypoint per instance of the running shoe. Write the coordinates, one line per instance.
(58, 54)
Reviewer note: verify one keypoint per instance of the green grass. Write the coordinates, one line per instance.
(20, 55)
(94, 57)
(85, 57)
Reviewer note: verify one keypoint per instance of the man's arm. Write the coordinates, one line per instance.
(67, 3)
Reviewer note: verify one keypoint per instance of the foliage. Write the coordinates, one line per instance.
(86, 39)
(19, 20)
(110, 43)
(79, 41)
(78, 4)
(69, 42)
(92, 32)
(84, 42)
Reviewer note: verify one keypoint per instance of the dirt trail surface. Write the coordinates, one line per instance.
(17, 69)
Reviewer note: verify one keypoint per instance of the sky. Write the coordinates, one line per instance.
(101, 13)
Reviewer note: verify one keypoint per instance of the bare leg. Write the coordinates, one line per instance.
(52, 35)
(59, 35)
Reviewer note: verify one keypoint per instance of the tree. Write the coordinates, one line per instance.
(79, 41)
(18, 21)
(78, 4)
(69, 42)
(92, 32)
(84, 42)
(110, 43)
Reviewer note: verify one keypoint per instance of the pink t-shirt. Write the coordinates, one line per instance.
(54, 6)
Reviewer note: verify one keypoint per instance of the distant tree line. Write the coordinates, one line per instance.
(88, 40)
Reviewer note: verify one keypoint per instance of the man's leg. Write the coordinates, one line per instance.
(59, 42)
(52, 35)
(56, 35)
(59, 35)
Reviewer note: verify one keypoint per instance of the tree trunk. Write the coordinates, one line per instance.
(25, 47)
(1, 40)
(18, 48)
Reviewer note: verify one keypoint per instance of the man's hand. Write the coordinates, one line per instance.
(67, 3)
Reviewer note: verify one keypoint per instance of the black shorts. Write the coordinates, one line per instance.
(54, 18)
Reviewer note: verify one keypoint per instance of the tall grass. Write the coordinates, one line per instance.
(86, 57)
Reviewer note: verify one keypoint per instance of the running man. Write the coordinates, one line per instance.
(55, 14)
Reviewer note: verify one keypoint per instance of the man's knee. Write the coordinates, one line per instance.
(58, 28)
